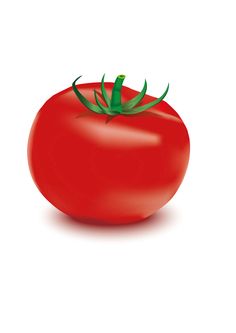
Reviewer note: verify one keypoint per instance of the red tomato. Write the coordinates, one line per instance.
(112, 169)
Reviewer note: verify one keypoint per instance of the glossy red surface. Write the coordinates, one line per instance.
(105, 169)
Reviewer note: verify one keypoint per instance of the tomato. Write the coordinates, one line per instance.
(104, 153)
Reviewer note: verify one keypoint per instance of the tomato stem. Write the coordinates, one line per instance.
(114, 106)
(116, 94)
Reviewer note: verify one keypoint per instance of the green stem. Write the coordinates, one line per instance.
(116, 94)
(114, 107)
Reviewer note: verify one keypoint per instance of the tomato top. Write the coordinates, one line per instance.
(114, 105)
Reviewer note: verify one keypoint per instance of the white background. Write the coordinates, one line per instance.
(174, 273)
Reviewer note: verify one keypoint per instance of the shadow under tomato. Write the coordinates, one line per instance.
(166, 216)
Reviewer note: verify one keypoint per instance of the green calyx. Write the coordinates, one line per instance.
(114, 105)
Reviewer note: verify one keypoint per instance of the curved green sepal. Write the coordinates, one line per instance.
(103, 108)
(134, 101)
(84, 100)
(149, 105)
(104, 93)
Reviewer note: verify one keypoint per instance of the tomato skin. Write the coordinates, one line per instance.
(104, 169)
